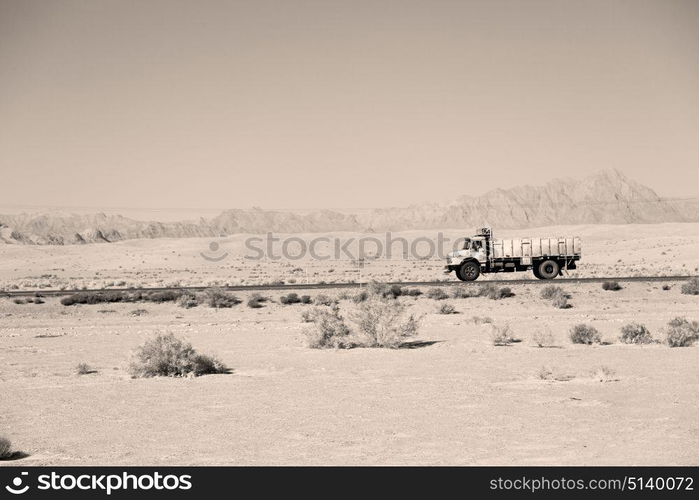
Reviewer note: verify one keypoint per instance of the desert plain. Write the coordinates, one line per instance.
(449, 396)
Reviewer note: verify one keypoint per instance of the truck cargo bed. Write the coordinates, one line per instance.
(536, 247)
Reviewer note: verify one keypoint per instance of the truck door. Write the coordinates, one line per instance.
(479, 251)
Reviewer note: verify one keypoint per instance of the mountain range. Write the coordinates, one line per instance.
(606, 197)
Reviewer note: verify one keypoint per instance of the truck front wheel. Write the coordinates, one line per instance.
(548, 270)
(469, 271)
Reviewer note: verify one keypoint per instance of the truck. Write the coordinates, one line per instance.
(482, 253)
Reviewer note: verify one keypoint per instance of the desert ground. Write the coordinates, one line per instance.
(449, 396)
(608, 250)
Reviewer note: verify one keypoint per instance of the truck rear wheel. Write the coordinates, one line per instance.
(548, 270)
(469, 271)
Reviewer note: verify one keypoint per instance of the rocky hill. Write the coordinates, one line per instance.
(607, 197)
(66, 229)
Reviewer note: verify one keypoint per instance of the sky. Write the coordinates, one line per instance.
(327, 103)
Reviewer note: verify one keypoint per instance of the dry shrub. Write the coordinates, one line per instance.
(188, 300)
(395, 291)
(480, 320)
(611, 286)
(380, 324)
(437, 293)
(290, 298)
(447, 309)
(360, 297)
(691, 287)
(308, 316)
(551, 291)
(158, 297)
(501, 335)
(69, 300)
(461, 292)
(488, 290)
(219, 298)
(543, 338)
(329, 330)
(585, 334)
(503, 293)
(256, 301)
(560, 302)
(384, 290)
(83, 369)
(553, 375)
(99, 297)
(376, 288)
(491, 291)
(682, 333)
(324, 300)
(5, 448)
(635, 333)
(494, 292)
(112, 296)
(604, 374)
(557, 296)
(165, 355)
(544, 373)
(379, 319)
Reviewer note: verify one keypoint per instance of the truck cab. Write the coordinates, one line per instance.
(473, 248)
(468, 261)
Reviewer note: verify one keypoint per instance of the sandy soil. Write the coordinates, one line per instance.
(459, 400)
(642, 249)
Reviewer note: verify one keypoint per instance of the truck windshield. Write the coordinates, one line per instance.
(467, 245)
